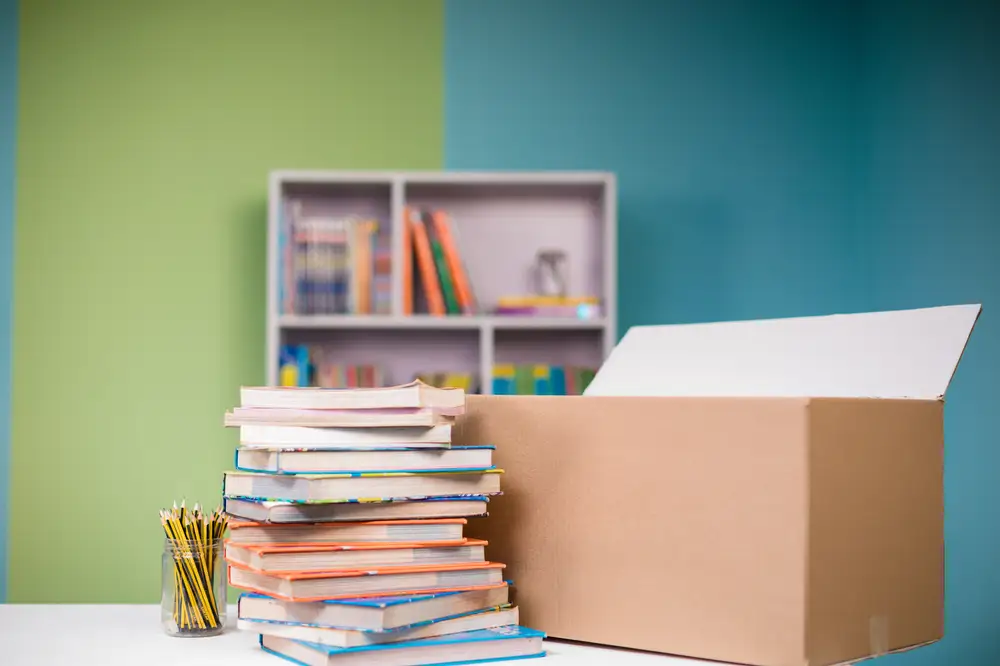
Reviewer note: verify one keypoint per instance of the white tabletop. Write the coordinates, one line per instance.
(44, 635)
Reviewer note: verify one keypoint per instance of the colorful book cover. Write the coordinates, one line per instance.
(543, 380)
(445, 276)
(558, 379)
(425, 264)
(524, 381)
(503, 379)
(374, 602)
(492, 634)
(271, 503)
(457, 270)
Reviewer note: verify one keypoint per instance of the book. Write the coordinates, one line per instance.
(367, 486)
(447, 530)
(297, 437)
(472, 647)
(271, 558)
(414, 395)
(373, 614)
(459, 275)
(500, 616)
(307, 461)
(338, 418)
(546, 301)
(424, 262)
(265, 511)
(448, 289)
(374, 581)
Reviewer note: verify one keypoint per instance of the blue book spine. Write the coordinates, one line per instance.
(543, 380)
(503, 386)
(302, 361)
(558, 380)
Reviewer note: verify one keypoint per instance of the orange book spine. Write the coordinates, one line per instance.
(462, 287)
(425, 263)
(407, 266)
(363, 267)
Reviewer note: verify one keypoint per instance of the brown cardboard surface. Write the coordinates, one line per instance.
(876, 527)
(674, 525)
(763, 531)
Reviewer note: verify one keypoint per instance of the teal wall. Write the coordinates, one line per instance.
(730, 125)
(8, 131)
(777, 158)
(931, 215)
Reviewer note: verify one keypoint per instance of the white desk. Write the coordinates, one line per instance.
(111, 635)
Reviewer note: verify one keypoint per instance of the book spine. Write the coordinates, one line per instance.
(543, 380)
(407, 267)
(425, 262)
(558, 376)
(503, 379)
(381, 270)
(441, 264)
(463, 289)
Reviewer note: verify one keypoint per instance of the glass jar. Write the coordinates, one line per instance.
(193, 587)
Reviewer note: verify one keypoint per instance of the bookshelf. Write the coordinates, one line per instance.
(499, 222)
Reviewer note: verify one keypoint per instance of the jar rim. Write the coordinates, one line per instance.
(192, 542)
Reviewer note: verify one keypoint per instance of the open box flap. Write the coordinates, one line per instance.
(899, 354)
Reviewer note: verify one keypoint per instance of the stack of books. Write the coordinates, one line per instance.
(347, 514)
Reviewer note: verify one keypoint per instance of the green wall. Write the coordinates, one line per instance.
(145, 136)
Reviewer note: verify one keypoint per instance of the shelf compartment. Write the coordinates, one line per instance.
(570, 350)
(333, 247)
(401, 354)
(500, 227)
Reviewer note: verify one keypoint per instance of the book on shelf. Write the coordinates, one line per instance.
(413, 395)
(540, 379)
(436, 281)
(306, 366)
(587, 308)
(498, 616)
(378, 615)
(332, 265)
(471, 647)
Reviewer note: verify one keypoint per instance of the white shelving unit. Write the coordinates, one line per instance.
(501, 221)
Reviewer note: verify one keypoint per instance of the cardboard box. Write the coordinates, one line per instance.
(763, 493)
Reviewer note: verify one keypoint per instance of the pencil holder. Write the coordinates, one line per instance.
(193, 595)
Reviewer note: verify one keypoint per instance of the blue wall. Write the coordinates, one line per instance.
(775, 159)
(730, 128)
(8, 114)
(931, 215)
